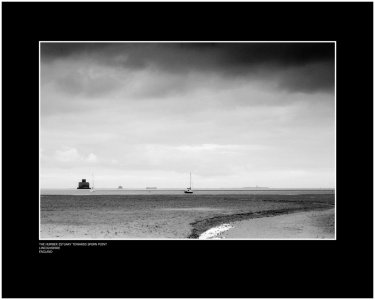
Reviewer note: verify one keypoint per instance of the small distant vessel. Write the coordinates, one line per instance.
(256, 187)
(120, 187)
(189, 190)
(151, 187)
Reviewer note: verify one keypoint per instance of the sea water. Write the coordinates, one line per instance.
(180, 191)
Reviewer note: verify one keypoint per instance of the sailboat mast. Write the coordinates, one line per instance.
(190, 180)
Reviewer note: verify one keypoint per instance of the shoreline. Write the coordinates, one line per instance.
(301, 225)
(202, 226)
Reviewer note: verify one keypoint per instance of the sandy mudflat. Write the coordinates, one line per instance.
(163, 216)
(309, 224)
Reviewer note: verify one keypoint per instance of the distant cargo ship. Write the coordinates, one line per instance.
(83, 185)
(151, 188)
(256, 187)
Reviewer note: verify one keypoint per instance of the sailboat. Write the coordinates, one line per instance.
(189, 190)
(93, 186)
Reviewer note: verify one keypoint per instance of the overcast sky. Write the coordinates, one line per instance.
(146, 114)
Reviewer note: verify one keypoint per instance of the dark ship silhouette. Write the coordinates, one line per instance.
(83, 185)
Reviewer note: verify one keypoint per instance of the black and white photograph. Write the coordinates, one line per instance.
(187, 150)
(187, 140)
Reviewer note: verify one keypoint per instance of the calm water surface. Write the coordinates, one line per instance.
(180, 191)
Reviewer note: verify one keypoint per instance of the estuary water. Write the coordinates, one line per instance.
(180, 191)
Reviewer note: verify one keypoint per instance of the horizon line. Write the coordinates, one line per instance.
(203, 188)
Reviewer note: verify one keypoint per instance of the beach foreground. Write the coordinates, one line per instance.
(317, 224)
(159, 215)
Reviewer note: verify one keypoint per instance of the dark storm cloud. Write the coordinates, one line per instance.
(51, 51)
(242, 54)
(306, 67)
(247, 54)
(308, 78)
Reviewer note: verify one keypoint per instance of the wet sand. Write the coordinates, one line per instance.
(317, 224)
(162, 216)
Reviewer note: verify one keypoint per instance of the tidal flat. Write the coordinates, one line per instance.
(165, 216)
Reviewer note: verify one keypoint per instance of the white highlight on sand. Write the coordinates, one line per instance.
(213, 232)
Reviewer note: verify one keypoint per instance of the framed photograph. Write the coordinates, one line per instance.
(187, 150)
(148, 117)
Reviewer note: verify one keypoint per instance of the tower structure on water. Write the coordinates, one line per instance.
(83, 184)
